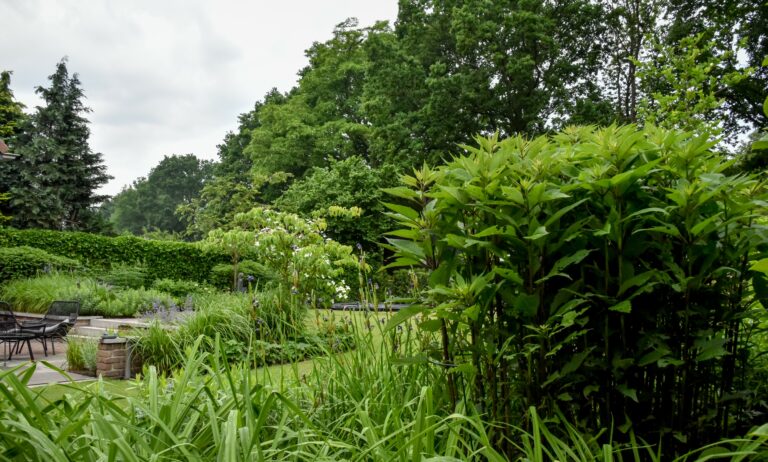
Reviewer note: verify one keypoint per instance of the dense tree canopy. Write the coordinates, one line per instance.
(151, 202)
(399, 95)
(53, 184)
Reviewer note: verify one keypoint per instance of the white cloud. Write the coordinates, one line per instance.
(167, 77)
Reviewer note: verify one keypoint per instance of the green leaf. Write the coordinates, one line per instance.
(509, 274)
(403, 210)
(404, 315)
(408, 248)
(589, 389)
(565, 262)
(402, 192)
(710, 349)
(760, 286)
(575, 362)
(622, 307)
(604, 231)
(638, 280)
(665, 229)
(652, 356)
(490, 231)
(527, 304)
(410, 234)
(760, 266)
(702, 226)
(430, 325)
(630, 393)
(540, 232)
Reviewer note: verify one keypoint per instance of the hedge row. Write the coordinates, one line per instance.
(26, 261)
(162, 259)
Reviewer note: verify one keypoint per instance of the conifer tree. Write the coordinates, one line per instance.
(58, 173)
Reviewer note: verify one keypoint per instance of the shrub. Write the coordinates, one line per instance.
(162, 259)
(129, 302)
(26, 261)
(602, 272)
(292, 249)
(180, 289)
(254, 274)
(126, 277)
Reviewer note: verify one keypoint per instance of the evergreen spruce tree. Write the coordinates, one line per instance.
(11, 111)
(11, 116)
(58, 173)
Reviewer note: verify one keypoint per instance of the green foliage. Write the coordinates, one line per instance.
(11, 111)
(54, 182)
(267, 322)
(25, 261)
(151, 203)
(223, 275)
(125, 277)
(81, 354)
(277, 315)
(157, 346)
(35, 296)
(683, 83)
(347, 183)
(289, 247)
(210, 409)
(162, 259)
(601, 272)
(180, 289)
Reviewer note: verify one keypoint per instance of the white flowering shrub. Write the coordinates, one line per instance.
(295, 249)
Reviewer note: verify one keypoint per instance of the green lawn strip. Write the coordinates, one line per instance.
(278, 375)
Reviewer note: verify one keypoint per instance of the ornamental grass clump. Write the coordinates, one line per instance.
(602, 273)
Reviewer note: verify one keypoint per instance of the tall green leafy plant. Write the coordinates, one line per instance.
(600, 272)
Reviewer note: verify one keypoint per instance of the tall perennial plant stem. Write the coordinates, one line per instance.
(599, 272)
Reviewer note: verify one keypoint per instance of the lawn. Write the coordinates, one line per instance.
(278, 375)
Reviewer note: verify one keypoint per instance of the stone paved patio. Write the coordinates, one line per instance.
(42, 375)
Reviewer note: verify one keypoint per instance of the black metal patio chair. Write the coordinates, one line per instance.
(58, 320)
(11, 333)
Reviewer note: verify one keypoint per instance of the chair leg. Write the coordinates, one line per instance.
(53, 345)
(29, 348)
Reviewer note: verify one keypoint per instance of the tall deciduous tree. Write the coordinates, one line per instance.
(151, 203)
(58, 173)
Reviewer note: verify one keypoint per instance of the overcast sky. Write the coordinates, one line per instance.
(167, 76)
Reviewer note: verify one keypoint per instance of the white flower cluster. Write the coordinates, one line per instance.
(342, 291)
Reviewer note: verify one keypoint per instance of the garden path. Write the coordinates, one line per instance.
(43, 375)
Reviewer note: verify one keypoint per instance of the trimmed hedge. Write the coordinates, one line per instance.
(26, 261)
(162, 259)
